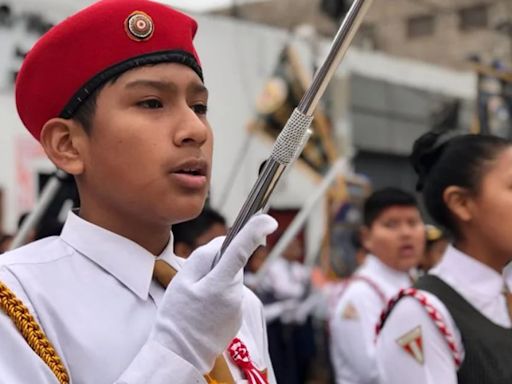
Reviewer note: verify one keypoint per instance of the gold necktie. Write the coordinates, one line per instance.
(220, 374)
(508, 300)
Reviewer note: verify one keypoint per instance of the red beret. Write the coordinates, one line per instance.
(80, 54)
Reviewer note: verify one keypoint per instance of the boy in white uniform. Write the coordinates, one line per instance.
(394, 235)
(115, 95)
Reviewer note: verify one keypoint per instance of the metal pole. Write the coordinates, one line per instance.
(291, 139)
(47, 195)
(339, 47)
(339, 167)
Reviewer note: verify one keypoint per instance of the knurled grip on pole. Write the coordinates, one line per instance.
(291, 137)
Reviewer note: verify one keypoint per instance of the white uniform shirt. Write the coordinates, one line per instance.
(93, 294)
(352, 325)
(289, 284)
(287, 279)
(478, 284)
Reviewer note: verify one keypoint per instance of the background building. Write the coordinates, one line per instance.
(444, 32)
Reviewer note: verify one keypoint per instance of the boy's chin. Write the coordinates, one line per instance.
(407, 265)
(185, 212)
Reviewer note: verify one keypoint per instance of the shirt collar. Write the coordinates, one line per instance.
(171, 258)
(469, 274)
(124, 259)
(375, 267)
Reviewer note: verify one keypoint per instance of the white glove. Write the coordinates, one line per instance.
(201, 311)
(309, 306)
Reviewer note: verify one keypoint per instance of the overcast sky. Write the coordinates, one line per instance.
(69, 6)
(204, 5)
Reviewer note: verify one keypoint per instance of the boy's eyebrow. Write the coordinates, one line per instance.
(198, 88)
(157, 84)
(166, 86)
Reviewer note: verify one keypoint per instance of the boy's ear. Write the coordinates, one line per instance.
(62, 140)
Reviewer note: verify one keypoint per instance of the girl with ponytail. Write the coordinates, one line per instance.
(454, 326)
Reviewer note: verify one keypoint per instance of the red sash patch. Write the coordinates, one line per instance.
(240, 356)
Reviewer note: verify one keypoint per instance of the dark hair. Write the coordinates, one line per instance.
(384, 198)
(85, 112)
(461, 161)
(188, 231)
(355, 238)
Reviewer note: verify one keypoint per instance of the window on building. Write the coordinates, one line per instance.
(367, 37)
(473, 17)
(420, 26)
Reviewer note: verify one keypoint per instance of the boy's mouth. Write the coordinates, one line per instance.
(407, 249)
(191, 171)
(193, 167)
(191, 174)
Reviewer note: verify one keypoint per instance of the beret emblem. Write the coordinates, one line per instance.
(139, 26)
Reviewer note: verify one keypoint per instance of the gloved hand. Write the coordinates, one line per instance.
(201, 311)
(288, 310)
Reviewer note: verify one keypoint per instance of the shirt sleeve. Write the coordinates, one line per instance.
(353, 335)
(268, 362)
(18, 363)
(258, 325)
(411, 349)
(155, 364)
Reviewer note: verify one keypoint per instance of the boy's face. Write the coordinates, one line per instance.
(257, 259)
(148, 155)
(396, 237)
(293, 251)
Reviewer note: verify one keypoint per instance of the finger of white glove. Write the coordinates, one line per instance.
(252, 235)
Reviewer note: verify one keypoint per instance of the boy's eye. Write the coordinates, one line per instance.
(391, 224)
(150, 104)
(200, 109)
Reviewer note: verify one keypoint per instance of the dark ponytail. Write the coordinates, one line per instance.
(461, 161)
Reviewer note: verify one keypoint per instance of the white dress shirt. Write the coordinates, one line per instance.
(92, 292)
(352, 325)
(286, 279)
(288, 282)
(478, 284)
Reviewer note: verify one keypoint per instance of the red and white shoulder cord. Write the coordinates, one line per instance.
(432, 312)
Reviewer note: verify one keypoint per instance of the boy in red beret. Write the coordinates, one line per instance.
(115, 95)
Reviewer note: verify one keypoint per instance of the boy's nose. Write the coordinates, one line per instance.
(192, 130)
(406, 230)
